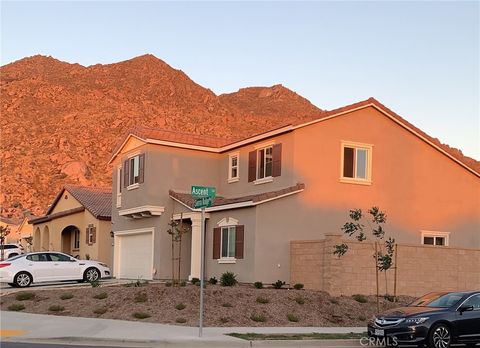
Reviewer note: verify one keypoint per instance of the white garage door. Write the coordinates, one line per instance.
(135, 256)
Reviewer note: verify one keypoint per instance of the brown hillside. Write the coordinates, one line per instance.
(60, 121)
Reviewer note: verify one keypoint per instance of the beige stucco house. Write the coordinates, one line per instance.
(78, 223)
(23, 234)
(294, 183)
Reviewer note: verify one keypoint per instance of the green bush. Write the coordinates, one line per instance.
(213, 281)
(66, 296)
(262, 300)
(258, 318)
(180, 306)
(258, 285)
(24, 296)
(300, 300)
(292, 318)
(141, 315)
(360, 298)
(226, 304)
(362, 318)
(101, 296)
(15, 307)
(168, 284)
(95, 283)
(195, 281)
(181, 320)
(228, 279)
(278, 284)
(298, 286)
(334, 301)
(183, 283)
(100, 310)
(140, 297)
(56, 308)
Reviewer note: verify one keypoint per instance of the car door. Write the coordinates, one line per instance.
(39, 267)
(468, 321)
(64, 267)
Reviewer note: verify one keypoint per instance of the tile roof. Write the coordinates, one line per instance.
(188, 200)
(97, 200)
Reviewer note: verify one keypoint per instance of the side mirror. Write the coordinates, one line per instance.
(465, 309)
(72, 259)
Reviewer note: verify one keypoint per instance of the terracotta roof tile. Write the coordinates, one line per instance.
(188, 200)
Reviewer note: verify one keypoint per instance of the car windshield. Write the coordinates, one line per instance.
(440, 300)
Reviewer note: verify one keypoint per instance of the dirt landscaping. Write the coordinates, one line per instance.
(241, 305)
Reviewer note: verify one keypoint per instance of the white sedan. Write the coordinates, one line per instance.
(23, 270)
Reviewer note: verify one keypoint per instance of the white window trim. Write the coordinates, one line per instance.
(263, 180)
(133, 186)
(90, 234)
(355, 145)
(228, 221)
(264, 145)
(130, 175)
(230, 178)
(119, 185)
(225, 223)
(434, 234)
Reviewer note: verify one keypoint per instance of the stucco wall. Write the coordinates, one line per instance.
(420, 269)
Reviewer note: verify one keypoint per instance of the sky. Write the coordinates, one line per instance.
(421, 59)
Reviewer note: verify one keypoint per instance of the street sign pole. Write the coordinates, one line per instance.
(202, 274)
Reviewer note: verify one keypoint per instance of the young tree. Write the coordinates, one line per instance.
(355, 228)
(176, 231)
(4, 232)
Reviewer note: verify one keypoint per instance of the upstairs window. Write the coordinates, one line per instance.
(356, 162)
(233, 167)
(265, 163)
(133, 171)
(435, 238)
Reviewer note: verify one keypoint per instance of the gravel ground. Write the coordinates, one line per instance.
(224, 306)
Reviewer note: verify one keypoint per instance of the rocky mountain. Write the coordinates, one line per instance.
(60, 121)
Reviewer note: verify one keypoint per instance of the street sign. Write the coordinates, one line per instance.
(203, 191)
(203, 202)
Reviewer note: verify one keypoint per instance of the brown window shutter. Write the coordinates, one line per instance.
(87, 232)
(277, 160)
(252, 166)
(239, 238)
(141, 171)
(348, 160)
(120, 178)
(126, 171)
(217, 234)
(94, 235)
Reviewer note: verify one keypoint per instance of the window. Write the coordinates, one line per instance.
(265, 162)
(356, 162)
(76, 239)
(37, 257)
(91, 234)
(133, 171)
(474, 302)
(233, 166)
(435, 238)
(59, 257)
(228, 242)
(119, 187)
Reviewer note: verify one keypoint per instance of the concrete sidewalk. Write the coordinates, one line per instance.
(26, 327)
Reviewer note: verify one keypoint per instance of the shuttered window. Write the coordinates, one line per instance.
(265, 163)
(91, 235)
(228, 242)
(134, 170)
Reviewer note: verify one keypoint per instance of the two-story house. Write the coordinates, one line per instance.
(296, 182)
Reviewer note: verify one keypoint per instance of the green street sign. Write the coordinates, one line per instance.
(203, 191)
(203, 202)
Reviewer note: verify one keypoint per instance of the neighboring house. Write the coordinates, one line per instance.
(78, 223)
(12, 224)
(23, 234)
(296, 182)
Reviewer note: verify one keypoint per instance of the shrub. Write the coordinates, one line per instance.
(100, 310)
(101, 296)
(300, 300)
(262, 300)
(183, 283)
(15, 307)
(56, 308)
(87, 256)
(291, 317)
(224, 320)
(140, 297)
(226, 304)
(278, 284)
(258, 318)
(360, 298)
(258, 285)
(362, 318)
(168, 284)
(228, 279)
(180, 306)
(95, 283)
(298, 286)
(213, 280)
(141, 315)
(181, 320)
(66, 296)
(195, 281)
(334, 301)
(390, 298)
(23, 296)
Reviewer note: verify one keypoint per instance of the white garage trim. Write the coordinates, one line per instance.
(117, 247)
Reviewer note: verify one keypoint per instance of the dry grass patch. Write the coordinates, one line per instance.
(24, 296)
(15, 307)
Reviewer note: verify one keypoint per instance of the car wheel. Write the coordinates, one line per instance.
(23, 279)
(91, 274)
(440, 337)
